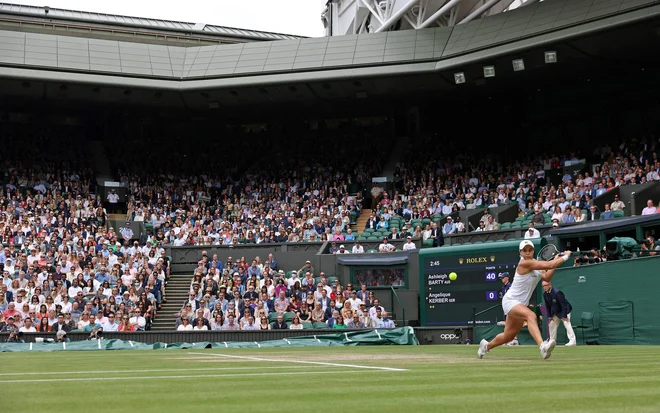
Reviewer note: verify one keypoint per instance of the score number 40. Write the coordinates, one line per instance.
(491, 276)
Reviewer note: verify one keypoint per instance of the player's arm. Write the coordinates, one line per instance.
(530, 265)
(548, 274)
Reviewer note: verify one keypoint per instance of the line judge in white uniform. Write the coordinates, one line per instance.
(515, 302)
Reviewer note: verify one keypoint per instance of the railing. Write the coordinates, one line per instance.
(393, 295)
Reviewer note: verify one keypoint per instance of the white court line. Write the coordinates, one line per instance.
(48, 373)
(198, 376)
(318, 363)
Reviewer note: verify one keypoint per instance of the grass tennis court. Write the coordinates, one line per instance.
(380, 379)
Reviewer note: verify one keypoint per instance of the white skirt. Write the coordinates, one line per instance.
(508, 304)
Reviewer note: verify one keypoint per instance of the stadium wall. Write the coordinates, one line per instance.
(622, 296)
(292, 256)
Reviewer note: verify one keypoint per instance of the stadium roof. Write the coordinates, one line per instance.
(113, 19)
(597, 32)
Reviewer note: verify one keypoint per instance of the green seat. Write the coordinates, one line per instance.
(373, 238)
(519, 219)
(288, 316)
(307, 325)
(427, 243)
(505, 225)
(361, 238)
(331, 279)
(289, 274)
(272, 317)
(319, 325)
(372, 251)
(426, 221)
(619, 213)
(368, 231)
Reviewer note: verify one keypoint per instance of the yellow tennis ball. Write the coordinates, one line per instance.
(453, 276)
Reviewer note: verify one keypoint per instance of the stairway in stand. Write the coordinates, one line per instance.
(176, 293)
(362, 221)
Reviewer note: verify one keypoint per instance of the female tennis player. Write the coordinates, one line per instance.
(516, 301)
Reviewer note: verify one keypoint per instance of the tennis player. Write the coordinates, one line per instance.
(515, 303)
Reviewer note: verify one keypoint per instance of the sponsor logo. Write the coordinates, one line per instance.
(492, 258)
(582, 279)
(448, 336)
(461, 261)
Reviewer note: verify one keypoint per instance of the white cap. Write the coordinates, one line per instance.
(525, 243)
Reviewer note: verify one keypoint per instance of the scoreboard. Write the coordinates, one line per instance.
(476, 284)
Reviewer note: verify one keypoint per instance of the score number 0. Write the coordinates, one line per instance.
(492, 296)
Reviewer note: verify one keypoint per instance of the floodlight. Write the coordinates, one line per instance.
(551, 57)
(489, 71)
(459, 78)
(518, 65)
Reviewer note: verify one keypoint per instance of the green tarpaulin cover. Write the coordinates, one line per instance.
(397, 336)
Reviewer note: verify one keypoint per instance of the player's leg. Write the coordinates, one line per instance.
(523, 314)
(554, 325)
(514, 322)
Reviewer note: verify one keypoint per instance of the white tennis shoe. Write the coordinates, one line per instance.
(546, 348)
(483, 348)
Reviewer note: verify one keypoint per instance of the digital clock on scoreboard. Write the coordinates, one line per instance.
(456, 279)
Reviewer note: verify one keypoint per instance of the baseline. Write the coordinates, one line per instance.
(196, 376)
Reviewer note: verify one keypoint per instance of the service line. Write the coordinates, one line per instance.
(318, 363)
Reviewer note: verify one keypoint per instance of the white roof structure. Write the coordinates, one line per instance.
(47, 13)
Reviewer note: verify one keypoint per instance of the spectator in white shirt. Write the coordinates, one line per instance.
(342, 250)
(532, 232)
(113, 198)
(386, 246)
(357, 248)
(650, 208)
(409, 245)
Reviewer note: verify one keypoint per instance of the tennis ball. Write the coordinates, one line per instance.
(453, 276)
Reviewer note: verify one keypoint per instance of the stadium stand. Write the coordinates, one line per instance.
(63, 269)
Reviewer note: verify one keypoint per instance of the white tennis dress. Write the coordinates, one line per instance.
(521, 290)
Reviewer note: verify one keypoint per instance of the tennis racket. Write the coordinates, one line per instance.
(548, 253)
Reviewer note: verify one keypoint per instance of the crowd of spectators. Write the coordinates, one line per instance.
(61, 268)
(454, 179)
(281, 193)
(258, 295)
(61, 260)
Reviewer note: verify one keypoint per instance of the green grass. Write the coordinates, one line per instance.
(434, 379)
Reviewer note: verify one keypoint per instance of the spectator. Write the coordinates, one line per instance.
(650, 208)
(357, 248)
(532, 232)
(385, 246)
(409, 245)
